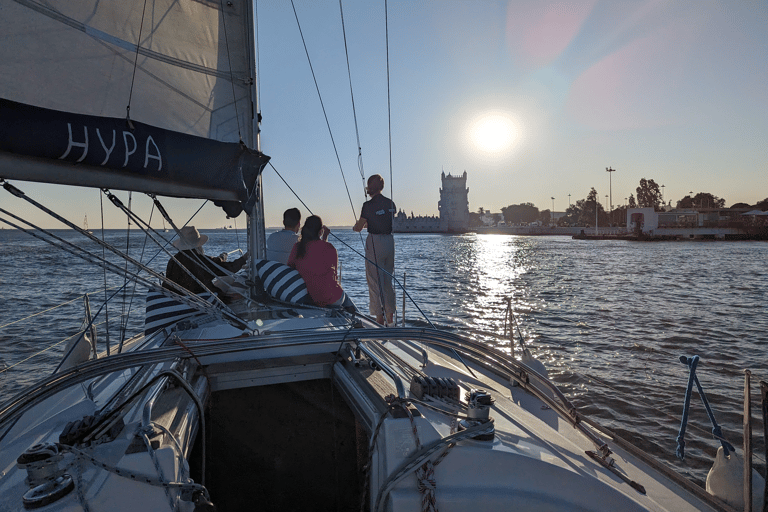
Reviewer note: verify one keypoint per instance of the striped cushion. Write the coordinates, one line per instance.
(282, 282)
(162, 311)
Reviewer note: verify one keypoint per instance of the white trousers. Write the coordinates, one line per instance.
(381, 249)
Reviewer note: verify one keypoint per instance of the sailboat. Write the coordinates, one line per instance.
(264, 402)
(85, 225)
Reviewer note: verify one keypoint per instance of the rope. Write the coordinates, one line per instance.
(7, 368)
(692, 362)
(124, 323)
(421, 456)
(147, 231)
(184, 295)
(103, 249)
(153, 455)
(47, 310)
(352, 97)
(133, 76)
(124, 319)
(389, 101)
(258, 68)
(88, 328)
(425, 475)
(356, 251)
(137, 477)
(322, 105)
(231, 76)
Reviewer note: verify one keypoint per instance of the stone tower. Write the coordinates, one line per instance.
(454, 203)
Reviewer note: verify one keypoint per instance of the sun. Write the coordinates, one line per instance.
(493, 132)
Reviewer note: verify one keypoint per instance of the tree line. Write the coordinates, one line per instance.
(583, 211)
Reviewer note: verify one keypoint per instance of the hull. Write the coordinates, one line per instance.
(316, 409)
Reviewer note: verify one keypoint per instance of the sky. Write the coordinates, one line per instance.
(534, 100)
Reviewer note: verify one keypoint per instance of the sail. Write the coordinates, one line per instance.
(154, 96)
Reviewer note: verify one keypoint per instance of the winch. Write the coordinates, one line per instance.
(479, 403)
(47, 481)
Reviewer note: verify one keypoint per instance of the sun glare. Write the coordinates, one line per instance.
(493, 133)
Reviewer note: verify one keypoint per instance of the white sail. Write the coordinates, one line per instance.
(184, 67)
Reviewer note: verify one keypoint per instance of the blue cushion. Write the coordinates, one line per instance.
(282, 282)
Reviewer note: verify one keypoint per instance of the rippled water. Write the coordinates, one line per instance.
(608, 318)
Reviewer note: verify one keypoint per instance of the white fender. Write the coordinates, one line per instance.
(80, 354)
(726, 481)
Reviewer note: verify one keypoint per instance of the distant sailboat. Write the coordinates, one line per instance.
(85, 225)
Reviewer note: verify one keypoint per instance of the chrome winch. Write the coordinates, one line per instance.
(47, 481)
(479, 404)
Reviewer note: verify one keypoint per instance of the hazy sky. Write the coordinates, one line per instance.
(533, 99)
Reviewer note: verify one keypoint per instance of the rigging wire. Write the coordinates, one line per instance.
(258, 69)
(103, 257)
(49, 309)
(322, 105)
(389, 102)
(125, 287)
(80, 252)
(357, 252)
(133, 76)
(190, 299)
(231, 75)
(352, 96)
(126, 315)
(140, 222)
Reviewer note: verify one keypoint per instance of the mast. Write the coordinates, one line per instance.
(257, 244)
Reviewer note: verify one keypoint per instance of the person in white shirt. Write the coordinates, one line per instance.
(280, 243)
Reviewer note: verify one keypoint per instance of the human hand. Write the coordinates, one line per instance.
(325, 233)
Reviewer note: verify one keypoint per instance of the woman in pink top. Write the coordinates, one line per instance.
(317, 260)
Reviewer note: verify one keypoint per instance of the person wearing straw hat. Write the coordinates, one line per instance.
(192, 258)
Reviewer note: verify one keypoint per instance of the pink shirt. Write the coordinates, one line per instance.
(318, 269)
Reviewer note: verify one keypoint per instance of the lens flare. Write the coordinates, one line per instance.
(493, 133)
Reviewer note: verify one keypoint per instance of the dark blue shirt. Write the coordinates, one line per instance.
(378, 211)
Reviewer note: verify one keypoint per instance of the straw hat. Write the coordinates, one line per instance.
(189, 238)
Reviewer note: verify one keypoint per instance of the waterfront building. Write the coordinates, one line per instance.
(453, 207)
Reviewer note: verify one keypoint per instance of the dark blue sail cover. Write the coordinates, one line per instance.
(115, 153)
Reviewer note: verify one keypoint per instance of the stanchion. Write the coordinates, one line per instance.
(764, 400)
(403, 315)
(747, 443)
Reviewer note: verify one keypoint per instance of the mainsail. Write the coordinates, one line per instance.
(154, 96)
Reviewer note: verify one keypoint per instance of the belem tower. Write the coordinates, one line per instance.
(453, 207)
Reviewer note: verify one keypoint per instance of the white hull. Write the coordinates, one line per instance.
(290, 420)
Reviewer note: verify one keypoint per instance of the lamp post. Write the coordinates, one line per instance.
(552, 215)
(609, 170)
(569, 199)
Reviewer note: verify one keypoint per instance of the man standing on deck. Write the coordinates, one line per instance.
(376, 215)
(280, 243)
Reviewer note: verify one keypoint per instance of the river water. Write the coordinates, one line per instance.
(609, 319)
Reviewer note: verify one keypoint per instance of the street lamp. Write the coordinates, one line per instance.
(609, 170)
(569, 199)
(552, 215)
